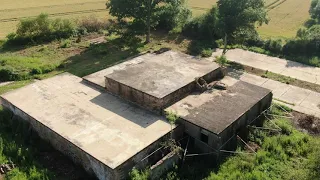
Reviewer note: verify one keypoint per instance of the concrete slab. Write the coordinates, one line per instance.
(216, 110)
(98, 123)
(160, 75)
(240, 75)
(295, 95)
(98, 78)
(301, 75)
(273, 64)
(312, 101)
(256, 80)
(277, 88)
(306, 110)
(305, 101)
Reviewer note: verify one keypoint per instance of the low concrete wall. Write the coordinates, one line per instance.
(77, 155)
(164, 165)
(133, 95)
(195, 132)
(137, 160)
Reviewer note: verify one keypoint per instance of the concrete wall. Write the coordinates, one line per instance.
(195, 132)
(164, 165)
(150, 102)
(135, 161)
(135, 96)
(77, 155)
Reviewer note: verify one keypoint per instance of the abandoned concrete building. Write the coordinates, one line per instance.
(113, 120)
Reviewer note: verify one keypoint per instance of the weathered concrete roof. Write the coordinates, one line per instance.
(156, 75)
(218, 109)
(100, 124)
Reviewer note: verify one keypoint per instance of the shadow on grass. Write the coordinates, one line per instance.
(103, 55)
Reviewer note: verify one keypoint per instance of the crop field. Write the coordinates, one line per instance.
(286, 16)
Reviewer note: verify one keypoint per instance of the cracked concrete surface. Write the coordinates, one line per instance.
(277, 65)
(299, 99)
(156, 74)
(102, 125)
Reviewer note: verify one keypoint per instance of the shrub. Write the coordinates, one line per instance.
(65, 43)
(48, 67)
(206, 53)
(197, 46)
(222, 60)
(135, 174)
(173, 16)
(315, 61)
(91, 24)
(6, 74)
(41, 29)
(203, 27)
(21, 68)
(36, 70)
(274, 46)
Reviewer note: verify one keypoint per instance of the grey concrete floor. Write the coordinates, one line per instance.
(273, 64)
(104, 126)
(299, 99)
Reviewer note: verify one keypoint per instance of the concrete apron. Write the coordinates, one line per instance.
(276, 65)
(299, 99)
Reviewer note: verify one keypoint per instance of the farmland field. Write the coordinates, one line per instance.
(286, 16)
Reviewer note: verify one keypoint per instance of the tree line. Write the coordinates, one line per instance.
(227, 24)
(229, 19)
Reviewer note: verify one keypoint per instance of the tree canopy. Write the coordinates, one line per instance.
(315, 9)
(145, 14)
(240, 17)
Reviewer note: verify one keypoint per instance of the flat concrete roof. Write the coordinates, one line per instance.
(100, 124)
(157, 74)
(218, 109)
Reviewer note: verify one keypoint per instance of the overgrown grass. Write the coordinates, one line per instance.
(13, 148)
(288, 155)
(13, 85)
(278, 77)
(34, 158)
(22, 68)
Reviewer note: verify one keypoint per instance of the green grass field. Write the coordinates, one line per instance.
(286, 16)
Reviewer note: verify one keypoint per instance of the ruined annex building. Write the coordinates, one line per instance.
(114, 120)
